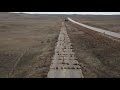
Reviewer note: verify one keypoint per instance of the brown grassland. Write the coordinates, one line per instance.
(27, 45)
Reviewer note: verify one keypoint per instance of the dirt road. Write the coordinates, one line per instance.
(64, 63)
(117, 35)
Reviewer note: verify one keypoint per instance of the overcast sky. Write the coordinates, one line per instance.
(94, 13)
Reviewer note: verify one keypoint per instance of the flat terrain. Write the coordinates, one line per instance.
(27, 44)
(99, 56)
(108, 22)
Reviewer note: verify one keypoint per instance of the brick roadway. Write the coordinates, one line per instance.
(64, 63)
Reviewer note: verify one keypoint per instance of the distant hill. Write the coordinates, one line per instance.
(12, 16)
(7, 15)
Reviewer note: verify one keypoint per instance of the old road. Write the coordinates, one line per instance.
(113, 34)
(64, 63)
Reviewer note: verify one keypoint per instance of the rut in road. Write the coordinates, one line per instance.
(64, 63)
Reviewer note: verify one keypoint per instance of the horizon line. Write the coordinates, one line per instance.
(71, 13)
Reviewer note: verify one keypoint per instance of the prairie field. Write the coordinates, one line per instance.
(27, 44)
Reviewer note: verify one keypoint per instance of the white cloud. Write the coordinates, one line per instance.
(93, 13)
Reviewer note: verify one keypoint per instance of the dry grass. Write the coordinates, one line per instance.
(111, 23)
(98, 56)
(27, 45)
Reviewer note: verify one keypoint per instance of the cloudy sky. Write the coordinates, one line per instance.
(94, 13)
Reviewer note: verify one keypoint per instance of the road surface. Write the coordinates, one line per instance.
(116, 35)
(64, 63)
